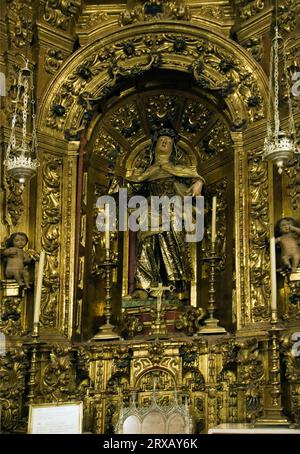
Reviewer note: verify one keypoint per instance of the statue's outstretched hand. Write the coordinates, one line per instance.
(196, 188)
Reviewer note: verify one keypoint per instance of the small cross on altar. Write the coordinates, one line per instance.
(158, 325)
(160, 290)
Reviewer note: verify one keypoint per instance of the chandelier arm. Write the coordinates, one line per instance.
(24, 115)
(269, 112)
(12, 137)
(276, 88)
(292, 128)
(34, 135)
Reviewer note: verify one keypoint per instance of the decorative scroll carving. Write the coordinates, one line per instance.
(58, 377)
(216, 142)
(131, 325)
(121, 368)
(161, 108)
(19, 18)
(190, 320)
(53, 60)
(97, 239)
(156, 351)
(202, 58)
(12, 387)
(251, 374)
(51, 218)
(153, 10)
(15, 203)
(293, 187)
(259, 261)
(255, 47)
(106, 147)
(10, 316)
(125, 121)
(59, 13)
(195, 117)
(288, 12)
(249, 8)
(210, 11)
(162, 380)
(192, 377)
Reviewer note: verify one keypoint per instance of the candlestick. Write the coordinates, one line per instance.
(273, 280)
(38, 291)
(106, 331)
(107, 233)
(211, 324)
(213, 219)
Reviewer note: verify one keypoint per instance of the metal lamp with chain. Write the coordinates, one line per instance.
(279, 146)
(21, 158)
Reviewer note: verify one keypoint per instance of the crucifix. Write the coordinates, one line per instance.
(158, 325)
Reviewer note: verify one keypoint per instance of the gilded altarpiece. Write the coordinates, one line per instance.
(104, 74)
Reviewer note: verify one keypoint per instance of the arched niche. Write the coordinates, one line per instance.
(126, 66)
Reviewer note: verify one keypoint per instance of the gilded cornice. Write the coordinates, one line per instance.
(256, 26)
(98, 18)
(50, 36)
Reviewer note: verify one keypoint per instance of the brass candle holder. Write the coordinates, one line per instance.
(106, 331)
(33, 362)
(272, 415)
(211, 324)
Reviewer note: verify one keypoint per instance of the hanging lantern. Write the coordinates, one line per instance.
(279, 145)
(21, 159)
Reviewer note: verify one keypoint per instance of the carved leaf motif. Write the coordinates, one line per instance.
(60, 12)
(51, 201)
(259, 261)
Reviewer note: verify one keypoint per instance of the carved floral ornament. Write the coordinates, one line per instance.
(151, 10)
(220, 68)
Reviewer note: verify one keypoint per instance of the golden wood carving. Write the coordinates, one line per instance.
(51, 217)
(106, 86)
(13, 368)
(259, 261)
(60, 12)
(154, 10)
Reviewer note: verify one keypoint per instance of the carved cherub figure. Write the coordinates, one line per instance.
(17, 259)
(287, 233)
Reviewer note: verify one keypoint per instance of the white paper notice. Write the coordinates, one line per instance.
(55, 419)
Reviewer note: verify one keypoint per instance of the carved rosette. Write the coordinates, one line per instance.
(213, 67)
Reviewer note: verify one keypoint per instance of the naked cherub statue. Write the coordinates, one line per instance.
(288, 237)
(17, 259)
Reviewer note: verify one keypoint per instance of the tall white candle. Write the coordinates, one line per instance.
(214, 219)
(273, 279)
(38, 290)
(107, 242)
